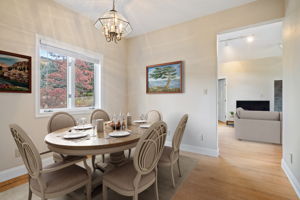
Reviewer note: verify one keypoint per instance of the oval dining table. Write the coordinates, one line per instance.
(102, 143)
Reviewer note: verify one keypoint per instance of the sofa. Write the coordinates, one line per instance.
(258, 126)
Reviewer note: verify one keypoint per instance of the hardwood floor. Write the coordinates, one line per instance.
(6, 185)
(244, 170)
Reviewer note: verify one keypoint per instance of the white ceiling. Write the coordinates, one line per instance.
(146, 16)
(267, 40)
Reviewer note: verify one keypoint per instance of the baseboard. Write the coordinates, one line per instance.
(196, 149)
(19, 170)
(295, 183)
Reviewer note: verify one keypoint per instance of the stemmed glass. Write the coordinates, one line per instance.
(115, 120)
(82, 121)
(142, 117)
(94, 124)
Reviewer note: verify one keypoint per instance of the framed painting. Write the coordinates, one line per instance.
(164, 78)
(15, 72)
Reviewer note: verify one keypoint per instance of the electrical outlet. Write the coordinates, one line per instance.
(202, 137)
(291, 158)
(17, 153)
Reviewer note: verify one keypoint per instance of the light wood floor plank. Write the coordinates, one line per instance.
(244, 170)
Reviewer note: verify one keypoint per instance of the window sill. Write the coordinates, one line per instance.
(72, 112)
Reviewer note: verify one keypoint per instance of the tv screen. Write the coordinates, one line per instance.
(254, 105)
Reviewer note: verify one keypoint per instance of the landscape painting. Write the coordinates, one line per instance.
(164, 78)
(15, 72)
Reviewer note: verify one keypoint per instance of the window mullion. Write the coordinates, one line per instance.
(70, 83)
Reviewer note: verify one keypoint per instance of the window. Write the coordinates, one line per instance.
(69, 78)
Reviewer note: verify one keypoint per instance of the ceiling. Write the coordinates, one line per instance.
(267, 43)
(146, 16)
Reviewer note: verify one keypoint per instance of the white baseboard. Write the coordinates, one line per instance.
(295, 183)
(19, 170)
(196, 149)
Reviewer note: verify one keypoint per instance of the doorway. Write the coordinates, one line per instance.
(249, 70)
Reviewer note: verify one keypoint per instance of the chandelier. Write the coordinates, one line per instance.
(114, 25)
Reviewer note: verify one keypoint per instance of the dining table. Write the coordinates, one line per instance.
(101, 143)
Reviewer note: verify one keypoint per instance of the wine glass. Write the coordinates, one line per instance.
(115, 120)
(94, 124)
(82, 121)
(142, 117)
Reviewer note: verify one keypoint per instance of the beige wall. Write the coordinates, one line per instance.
(291, 91)
(194, 42)
(251, 80)
(20, 21)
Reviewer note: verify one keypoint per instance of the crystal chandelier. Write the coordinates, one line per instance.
(114, 25)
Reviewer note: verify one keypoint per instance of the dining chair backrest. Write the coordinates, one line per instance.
(99, 114)
(179, 133)
(28, 151)
(150, 147)
(60, 120)
(153, 116)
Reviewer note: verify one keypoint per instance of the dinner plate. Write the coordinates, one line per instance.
(83, 127)
(119, 134)
(75, 135)
(140, 121)
(145, 125)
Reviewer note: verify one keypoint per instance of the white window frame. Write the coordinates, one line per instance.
(41, 41)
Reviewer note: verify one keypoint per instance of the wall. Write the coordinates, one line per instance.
(194, 42)
(291, 92)
(251, 80)
(20, 22)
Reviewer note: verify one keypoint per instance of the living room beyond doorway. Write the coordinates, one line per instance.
(250, 83)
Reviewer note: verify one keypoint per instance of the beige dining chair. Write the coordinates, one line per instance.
(170, 155)
(98, 114)
(153, 116)
(58, 121)
(53, 180)
(137, 175)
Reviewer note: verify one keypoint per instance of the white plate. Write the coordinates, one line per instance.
(84, 127)
(145, 125)
(119, 134)
(75, 135)
(140, 121)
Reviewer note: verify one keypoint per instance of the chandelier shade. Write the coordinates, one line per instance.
(113, 25)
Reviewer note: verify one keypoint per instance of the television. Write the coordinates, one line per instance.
(254, 105)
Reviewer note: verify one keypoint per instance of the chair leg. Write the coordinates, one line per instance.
(172, 175)
(93, 162)
(89, 191)
(135, 196)
(156, 189)
(129, 153)
(103, 158)
(104, 192)
(29, 194)
(178, 165)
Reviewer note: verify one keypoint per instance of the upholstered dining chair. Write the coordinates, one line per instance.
(58, 121)
(53, 180)
(170, 155)
(137, 175)
(153, 116)
(98, 114)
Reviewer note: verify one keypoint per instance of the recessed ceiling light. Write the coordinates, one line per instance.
(250, 39)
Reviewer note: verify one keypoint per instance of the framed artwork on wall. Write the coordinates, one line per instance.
(164, 78)
(15, 72)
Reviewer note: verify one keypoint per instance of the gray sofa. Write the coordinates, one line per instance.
(259, 126)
